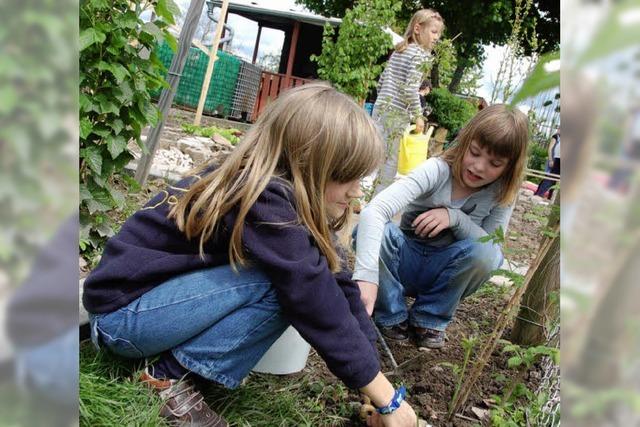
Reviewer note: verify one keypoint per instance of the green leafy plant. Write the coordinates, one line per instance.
(350, 60)
(449, 111)
(468, 345)
(118, 72)
(518, 403)
(537, 158)
(230, 134)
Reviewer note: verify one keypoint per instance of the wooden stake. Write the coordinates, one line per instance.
(213, 55)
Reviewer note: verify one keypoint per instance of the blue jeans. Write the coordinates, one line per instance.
(217, 323)
(437, 277)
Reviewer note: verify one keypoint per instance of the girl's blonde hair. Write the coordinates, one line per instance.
(421, 17)
(504, 131)
(309, 136)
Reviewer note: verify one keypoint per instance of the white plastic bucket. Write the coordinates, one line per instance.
(285, 356)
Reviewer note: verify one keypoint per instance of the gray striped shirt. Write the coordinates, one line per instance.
(398, 86)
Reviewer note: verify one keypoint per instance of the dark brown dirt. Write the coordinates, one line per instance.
(431, 383)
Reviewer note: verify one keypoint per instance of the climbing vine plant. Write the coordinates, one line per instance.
(118, 71)
(351, 60)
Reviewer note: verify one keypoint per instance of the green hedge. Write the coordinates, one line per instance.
(449, 111)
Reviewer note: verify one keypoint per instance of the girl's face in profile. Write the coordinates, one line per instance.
(429, 33)
(338, 196)
(419, 126)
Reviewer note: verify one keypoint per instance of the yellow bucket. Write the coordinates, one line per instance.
(413, 150)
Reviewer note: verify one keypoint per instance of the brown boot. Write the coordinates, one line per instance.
(184, 406)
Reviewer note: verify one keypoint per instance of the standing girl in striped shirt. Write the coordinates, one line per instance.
(398, 102)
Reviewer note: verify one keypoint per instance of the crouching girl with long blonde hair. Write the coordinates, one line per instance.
(212, 271)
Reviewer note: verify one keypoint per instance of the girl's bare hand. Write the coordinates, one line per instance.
(431, 222)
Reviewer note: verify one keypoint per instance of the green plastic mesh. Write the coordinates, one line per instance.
(223, 81)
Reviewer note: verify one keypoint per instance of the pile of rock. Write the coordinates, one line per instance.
(186, 153)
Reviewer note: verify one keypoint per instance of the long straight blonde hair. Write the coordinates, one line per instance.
(309, 136)
(421, 17)
(504, 131)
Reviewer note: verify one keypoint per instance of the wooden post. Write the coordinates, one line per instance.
(212, 59)
(257, 45)
(292, 52)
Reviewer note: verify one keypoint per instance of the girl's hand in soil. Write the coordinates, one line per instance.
(368, 294)
(404, 416)
(431, 222)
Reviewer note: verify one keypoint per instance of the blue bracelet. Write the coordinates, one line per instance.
(398, 397)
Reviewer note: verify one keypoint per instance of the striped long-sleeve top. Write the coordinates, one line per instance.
(398, 86)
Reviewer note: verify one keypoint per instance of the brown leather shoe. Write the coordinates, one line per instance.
(184, 406)
(429, 338)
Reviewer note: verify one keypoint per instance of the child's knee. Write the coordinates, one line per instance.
(485, 257)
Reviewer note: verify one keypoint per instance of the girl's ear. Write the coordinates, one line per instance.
(416, 29)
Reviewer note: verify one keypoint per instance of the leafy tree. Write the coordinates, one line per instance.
(350, 60)
(478, 23)
(118, 71)
(449, 111)
(270, 61)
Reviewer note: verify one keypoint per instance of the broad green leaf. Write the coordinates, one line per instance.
(119, 72)
(153, 29)
(93, 156)
(86, 105)
(171, 41)
(85, 127)
(151, 113)
(106, 106)
(84, 192)
(117, 125)
(540, 79)
(514, 361)
(90, 36)
(167, 10)
(117, 197)
(124, 93)
(105, 230)
(127, 20)
(616, 33)
(101, 131)
(100, 200)
(116, 145)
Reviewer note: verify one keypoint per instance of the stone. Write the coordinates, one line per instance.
(193, 142)
(199, 154)
(499, 280)
(481, 414)
(221, 143)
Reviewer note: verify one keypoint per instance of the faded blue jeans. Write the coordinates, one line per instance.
(217, 323)
(437, 277)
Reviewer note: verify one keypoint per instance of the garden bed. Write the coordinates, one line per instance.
(314, 396)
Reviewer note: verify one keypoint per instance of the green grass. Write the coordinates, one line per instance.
(109, 397)
(108, 394)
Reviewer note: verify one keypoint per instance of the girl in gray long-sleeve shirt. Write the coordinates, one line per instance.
(398, 101)
(449, 202)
